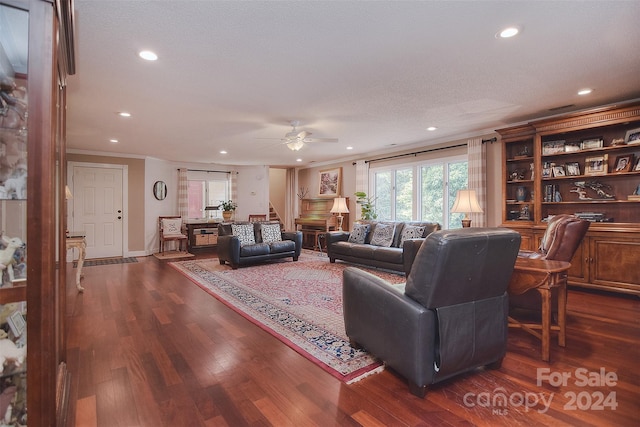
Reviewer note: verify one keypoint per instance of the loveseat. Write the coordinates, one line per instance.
(243, 243)
(384, 244)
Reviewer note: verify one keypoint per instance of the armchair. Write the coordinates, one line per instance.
(541, 294)
(452, 315)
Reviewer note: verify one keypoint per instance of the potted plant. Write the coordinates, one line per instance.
(228, 207)
(367, 208)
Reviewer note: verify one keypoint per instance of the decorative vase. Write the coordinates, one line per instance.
(521, 194)
(226, 215)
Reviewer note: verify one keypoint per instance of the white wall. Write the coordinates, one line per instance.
(252, 184)
(253, 191)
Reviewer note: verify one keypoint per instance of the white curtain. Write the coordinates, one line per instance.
(290, 200)
(362, 181)
(478, 179)
(233, 176)
(183, 193)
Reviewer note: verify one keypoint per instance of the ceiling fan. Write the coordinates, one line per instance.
(296, 139)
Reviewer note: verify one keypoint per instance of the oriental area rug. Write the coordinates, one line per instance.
(300, 303)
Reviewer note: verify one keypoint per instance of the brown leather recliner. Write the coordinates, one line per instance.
(452, 315)
(561, 239)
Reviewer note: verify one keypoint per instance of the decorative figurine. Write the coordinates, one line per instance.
(596, 186)
(10, 352)
(6, 255)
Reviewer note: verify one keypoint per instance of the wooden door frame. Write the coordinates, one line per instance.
(71, 165)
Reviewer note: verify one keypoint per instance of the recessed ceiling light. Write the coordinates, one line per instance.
(113, 141)
(508, 32)
(223, 151)
(298, 160)
(431, 128)
(124, 114)
(585, 91)
(349, 148)
(148, 55)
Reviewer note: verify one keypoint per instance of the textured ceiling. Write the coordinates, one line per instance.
(373, 74)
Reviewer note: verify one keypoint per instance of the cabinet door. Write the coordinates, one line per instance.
(579, 271)
(613, 262)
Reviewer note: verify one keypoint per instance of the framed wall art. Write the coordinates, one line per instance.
(330, 182)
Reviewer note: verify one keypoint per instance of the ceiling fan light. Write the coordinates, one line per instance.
(295, 145)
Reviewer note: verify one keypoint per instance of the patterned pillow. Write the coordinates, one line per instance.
(411, 232)
(359, 233)
(244, 232)
(383, 234)
(271, 233)
(171, 227)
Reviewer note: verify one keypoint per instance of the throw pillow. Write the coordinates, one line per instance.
(383, 234)
(411, 232)
(359, 233)
(271, 233)
(549, 236)
(244, 232)
(171, 227)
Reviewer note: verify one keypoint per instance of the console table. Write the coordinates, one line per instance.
(76, 240)
(201, 234)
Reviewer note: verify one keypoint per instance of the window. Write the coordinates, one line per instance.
(422, 191)
(206, 189)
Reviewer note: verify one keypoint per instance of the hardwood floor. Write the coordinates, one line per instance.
(147, 347)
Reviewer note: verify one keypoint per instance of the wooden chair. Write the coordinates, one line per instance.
(170, 228)
(257, 217)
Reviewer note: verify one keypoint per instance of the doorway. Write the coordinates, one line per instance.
(98, 207)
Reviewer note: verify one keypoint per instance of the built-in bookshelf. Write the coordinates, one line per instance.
(587, 164)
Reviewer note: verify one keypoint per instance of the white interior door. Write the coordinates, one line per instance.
(98, 208)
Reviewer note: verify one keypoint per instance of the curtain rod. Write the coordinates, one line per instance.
(204, 170)
(415, 153)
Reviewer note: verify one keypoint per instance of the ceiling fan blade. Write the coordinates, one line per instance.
(321, 140)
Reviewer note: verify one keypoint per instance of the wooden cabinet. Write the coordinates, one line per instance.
(35, 59)
(202, 235)
(585, 163)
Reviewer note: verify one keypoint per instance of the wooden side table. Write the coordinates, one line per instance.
(543, 276)
(78, 241)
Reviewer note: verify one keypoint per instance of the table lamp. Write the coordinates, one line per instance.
(339, 207)
(466, 202)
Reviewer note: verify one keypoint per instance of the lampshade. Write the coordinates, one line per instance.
(339, 206)
(466, 202)
(67, 193)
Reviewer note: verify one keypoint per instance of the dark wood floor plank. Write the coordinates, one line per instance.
(147, 347)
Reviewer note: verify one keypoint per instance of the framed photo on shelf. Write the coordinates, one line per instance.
(330, 182)
(632, 136)
(553, 147)
(559, 171)
(637, 166)
(571, 147)
(592, 143)
(596, 165)
(623, 163)
(573, 169)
